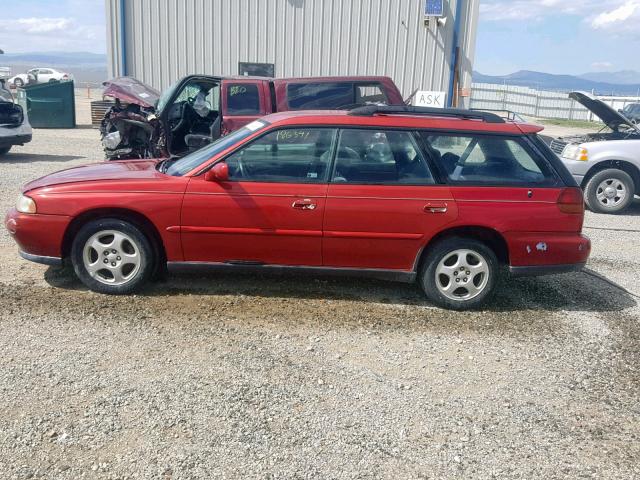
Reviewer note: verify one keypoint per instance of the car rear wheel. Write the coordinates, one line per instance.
(112, 256)
(459, 273)
(4, 150)
(609, 191)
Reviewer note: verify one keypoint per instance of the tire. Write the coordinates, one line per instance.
(4, 150)
(443, 266)
(18, 83)
(609, 191)
(126, 270)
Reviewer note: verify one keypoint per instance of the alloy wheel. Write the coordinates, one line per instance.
(611, 192)
(112, 257)
(462, 274)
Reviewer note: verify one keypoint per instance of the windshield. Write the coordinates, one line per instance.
(197, 158)
(165, 96)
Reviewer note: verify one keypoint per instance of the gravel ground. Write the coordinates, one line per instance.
(229, 376)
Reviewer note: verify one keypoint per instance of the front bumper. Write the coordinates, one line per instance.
(53, 261)
(37, 235)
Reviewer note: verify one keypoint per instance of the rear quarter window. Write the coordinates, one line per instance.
(488, 160)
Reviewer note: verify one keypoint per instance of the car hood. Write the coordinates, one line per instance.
(607, 114)
(130, 90)
(122, 170)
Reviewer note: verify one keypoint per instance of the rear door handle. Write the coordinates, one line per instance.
(304, 204)
(435, 207)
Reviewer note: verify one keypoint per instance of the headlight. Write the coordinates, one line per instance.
(26, 205)
(575, 152)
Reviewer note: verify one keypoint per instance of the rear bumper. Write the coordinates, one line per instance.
(7, 141)
(537, 270)
(541, 253)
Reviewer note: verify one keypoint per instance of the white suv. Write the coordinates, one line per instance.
(606, 164)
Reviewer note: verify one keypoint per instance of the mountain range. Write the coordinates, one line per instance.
(625, 82)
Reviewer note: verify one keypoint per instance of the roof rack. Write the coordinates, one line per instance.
(506, 114)
(370, 110)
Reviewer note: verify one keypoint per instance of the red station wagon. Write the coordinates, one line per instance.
(444, 197)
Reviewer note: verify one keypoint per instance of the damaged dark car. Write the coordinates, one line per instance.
(198, 109)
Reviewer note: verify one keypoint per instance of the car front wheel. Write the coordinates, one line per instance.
(459, 273)
(4, 150)
(609, 191)
(112, 256)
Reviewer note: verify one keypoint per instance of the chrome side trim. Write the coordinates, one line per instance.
(53, 261)
(383, 274)
(535, 270)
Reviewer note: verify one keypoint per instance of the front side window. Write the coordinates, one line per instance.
(380, 157)
(487, 160)
(292, 155)
(243, 99)
(195, 159)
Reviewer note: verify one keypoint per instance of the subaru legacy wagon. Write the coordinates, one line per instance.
(447, 198)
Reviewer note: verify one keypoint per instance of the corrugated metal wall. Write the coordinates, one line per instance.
(167, 39)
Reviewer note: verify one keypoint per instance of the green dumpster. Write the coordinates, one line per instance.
(49, 105)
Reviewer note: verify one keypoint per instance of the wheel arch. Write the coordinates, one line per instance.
(131, 216)
(625, 166)
(487, 235)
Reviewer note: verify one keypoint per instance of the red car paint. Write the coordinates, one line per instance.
(351, 226)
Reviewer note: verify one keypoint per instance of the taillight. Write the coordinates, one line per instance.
(570, 201)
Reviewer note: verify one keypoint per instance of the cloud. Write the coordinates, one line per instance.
(622, 19)
(501, 10)
(602, 65)
(50, 33)
(36, 26)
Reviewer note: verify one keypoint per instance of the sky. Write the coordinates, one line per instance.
(554, 36)
(52, 25)
(558, 36)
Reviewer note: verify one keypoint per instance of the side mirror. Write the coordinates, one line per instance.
(218, 173)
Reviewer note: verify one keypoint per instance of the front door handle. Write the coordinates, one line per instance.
(304, 204)
(435, 207)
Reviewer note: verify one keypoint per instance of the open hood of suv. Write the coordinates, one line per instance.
(607, 114)
(130, 90)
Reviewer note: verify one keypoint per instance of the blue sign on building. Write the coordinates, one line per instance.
(434, 8)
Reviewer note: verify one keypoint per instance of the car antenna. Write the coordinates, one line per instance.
(407, 101)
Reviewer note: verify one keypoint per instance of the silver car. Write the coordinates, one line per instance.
(606, 164)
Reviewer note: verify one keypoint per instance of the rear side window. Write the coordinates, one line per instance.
(469, 159)
(380, 157)
(320, 95)
(243, 99)
(328, 95)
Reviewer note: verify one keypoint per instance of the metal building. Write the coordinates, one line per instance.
(159, 41)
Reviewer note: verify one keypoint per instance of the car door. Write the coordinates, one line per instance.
(44, 75)
(242, 102)
(383, 203)
(271, 208)
(499, 173)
